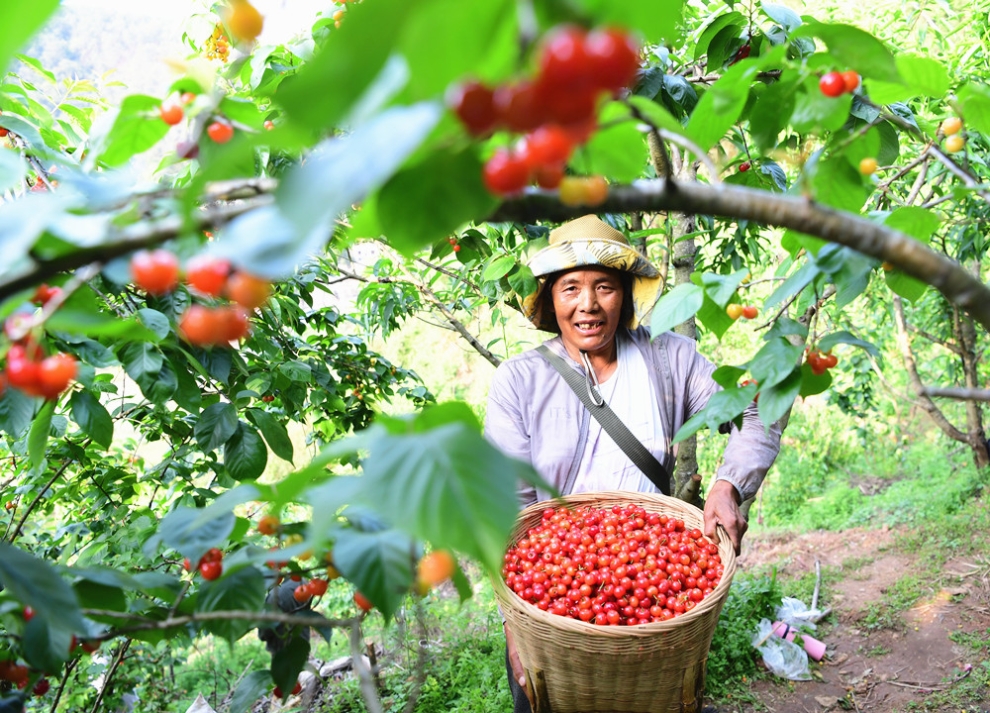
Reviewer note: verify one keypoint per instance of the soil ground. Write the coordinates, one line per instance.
(904, 662)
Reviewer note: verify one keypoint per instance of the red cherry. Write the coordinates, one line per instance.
(210, 570)
(55, 373)
(207, 274)
(200, 326)
(549, 144)
(474, 104)
(564, 61)
(318, 587)
(28, 613)
(221, 132)
(549, 176)
(234, 320)
(520, 107)
(850, 80)
(269, 124)
(832, 84)
(155, 271)
(744, 166)
(171, 114)
(613, 56)
(363, 602)
(505, 173)
(41, 687)
(302, 593)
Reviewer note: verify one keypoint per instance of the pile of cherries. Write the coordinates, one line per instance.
(622, 566)
(555, 110)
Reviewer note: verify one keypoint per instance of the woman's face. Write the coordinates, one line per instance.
(587, 302)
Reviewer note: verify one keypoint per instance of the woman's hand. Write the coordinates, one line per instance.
(722, 508)
(518, 672)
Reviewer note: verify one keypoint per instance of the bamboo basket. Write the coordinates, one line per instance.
(576, 667)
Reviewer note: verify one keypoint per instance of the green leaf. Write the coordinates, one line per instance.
(442, 464)
(838, 184)
(184, 531)
(274, 432)
(904, 285)
(721, 407)
(925, 76)
(721, 288)
(251, 688)
(814, 111)
(774, 362)
(96, 324)
(852, 278)
(240, 590)
(919, 223)
(890, 144)
(141, 358)
(16, 412)
(187, 393)
(159, 388)
(675, 307)
(829, 341)
(733, 19)
(656, 114)
(722, 104)
(20, 21)
(410, 214)
(657, 20)
(775, 400)
(93, 595)
(155, 321)
(216, 425)
(380, 564)
(783, 16)
(617, 151)
(245, 454)
(135, 130)
(974, 106)
(288, 662)
(498, 268)
(45, 647)
(812, 383)
(40, 430)
(522, 281)
(852, 47)
(296, 370)
(92, 417)
(727, 376)
(33, 581)
(714, 318)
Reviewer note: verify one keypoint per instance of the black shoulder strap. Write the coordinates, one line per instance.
(614, 427)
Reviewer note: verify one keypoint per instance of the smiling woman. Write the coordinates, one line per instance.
(596, 291)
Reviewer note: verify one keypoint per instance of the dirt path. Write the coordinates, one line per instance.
(879, 658)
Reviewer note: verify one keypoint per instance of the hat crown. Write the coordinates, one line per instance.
(588, 227)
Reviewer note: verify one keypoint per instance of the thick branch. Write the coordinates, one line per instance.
(910, 255)
(957, 393)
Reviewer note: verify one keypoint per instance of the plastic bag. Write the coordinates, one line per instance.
(796, 613)
(782, 657)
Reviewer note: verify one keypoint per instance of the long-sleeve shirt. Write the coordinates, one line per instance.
(535, 416)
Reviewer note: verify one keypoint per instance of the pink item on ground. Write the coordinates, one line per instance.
(814, 647)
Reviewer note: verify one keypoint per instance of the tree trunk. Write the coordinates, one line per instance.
(966, 336)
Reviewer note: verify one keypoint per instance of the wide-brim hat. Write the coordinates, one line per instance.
(590, 242)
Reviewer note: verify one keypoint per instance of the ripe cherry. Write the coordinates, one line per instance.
(520, 107)
(221, 132)
(210, 570)
(200, 326)
(269, 124)
(549, 176)
(243, 20)
(207, 274)
(363, 603)
(868, 166)
(302, 593)
(850, 80)
(55, 373)
(248, 291)
(187, 97)
(613, 56)
(505, 173)
(318, 587)
(549, 144)
(749, 312)
(474, 104)
(234, 323)
(564, 61)
(832, 84)
(734, 310)
(44, 294)
(268, 398)
(171, 114)
(155, 271)
(268, 524)
(744, 166)
(28, 613)
(434, 568)
(41, 687)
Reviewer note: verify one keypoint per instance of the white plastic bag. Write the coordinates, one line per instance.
(782, 657)
(796, 613)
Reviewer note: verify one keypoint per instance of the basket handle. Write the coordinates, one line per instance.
(536, 689)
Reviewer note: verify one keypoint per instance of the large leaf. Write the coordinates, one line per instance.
(657, 20)
(135, 130)
(721, 288)
(729, 19)
(274, 432)
(437, 478)
(675, 307)
(184, 530)
(249, 690)
(906, 286)
(288, 662)
(721, 407)
(617, 151)
(40, 430)
(33, 581)
(925, 76)
(216, 425)
(919, 223)
(16, 412)
(843, 337)
(242, 590)
(141, 358)
(774, 362)
(430, 200)
(92, 417)
(722, 104)
(20, 21)
(852, 47)
(380, 564)
(974, 105)
(45, 647)
(245, 454)
(777, 399)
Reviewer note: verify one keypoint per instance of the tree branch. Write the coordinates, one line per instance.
(171, 622)
(957, 393)
(910, 255)
(456, 324)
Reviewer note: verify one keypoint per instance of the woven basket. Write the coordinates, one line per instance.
(577, 667)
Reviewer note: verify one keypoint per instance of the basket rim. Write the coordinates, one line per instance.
(509, 599)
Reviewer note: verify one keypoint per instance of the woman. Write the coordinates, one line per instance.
(595, 292)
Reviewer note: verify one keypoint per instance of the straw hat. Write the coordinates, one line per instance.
(590, 242)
